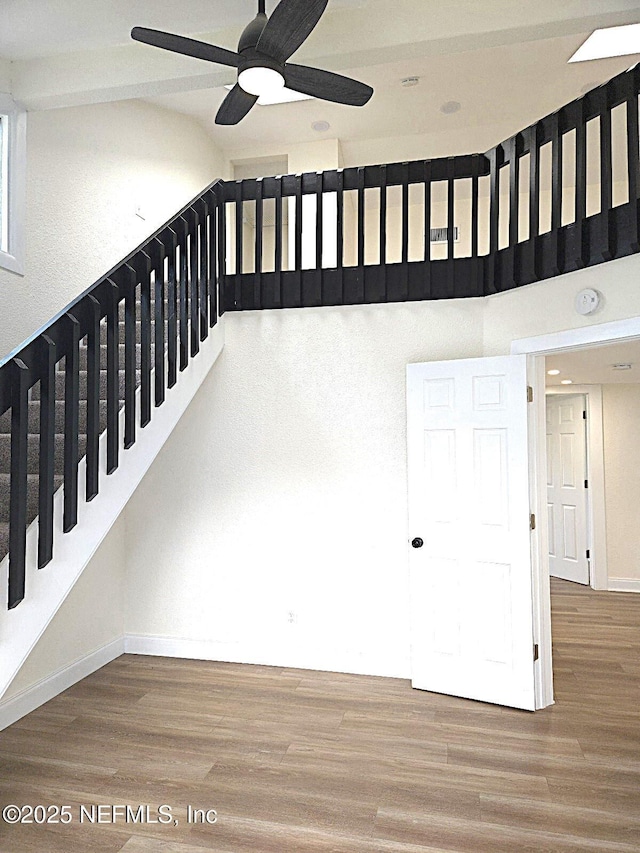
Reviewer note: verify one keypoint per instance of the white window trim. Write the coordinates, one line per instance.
(16, 141)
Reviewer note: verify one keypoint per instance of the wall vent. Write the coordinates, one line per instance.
(441, 235)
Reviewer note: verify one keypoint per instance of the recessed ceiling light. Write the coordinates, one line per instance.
(553, 372)
(279, 96)
(622, 366)
(321, 126)
(450, 107)
(566, 382)
(611, 41)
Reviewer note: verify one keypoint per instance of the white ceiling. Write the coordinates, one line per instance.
(504, 61)
(595, 365)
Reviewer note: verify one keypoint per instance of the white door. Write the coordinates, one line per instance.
(566, 487)
(471, 580)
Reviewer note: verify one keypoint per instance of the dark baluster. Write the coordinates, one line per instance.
(632, 83)
(427, 228)
(18, 496)
(239, 245)
(47, 451)
(530, 265)
(490, 280)
(340, 233)
(172, 309)
(158, 253)
(93, 398)
(113, 365)
(320, 235)
(213, 259)
(510, 265)
(257, 278)
(475, 192)
(183, 304)
(514, 191)
(607, 249)
(383, 230)
(143, 268)
(361, 213)
(204, 272)
(405, 231)
(494, 201)
(451, 221)
(277, 286)
(130, 339)
(192, 238)
(222, 254)
(556, 245)
(298, 243)
(71, 424)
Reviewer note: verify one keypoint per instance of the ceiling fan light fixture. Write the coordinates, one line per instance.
(260, 80)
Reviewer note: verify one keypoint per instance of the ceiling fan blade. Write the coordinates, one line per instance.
(235, 106)
(290, 24)
(188, 47)
(326, 85)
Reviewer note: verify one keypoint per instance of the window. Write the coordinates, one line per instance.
(13, 127)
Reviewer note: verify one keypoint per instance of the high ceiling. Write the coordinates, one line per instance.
(504, 62)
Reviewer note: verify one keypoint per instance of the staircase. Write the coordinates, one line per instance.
(126, 356)
(33, 437)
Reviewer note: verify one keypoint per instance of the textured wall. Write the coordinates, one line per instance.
(621, 415)
(90, 618)
(279, 523)
(87, 168)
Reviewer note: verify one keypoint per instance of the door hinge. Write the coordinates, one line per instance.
(536, 652)
(584, 416)
(529, 394)
(588, 554)
(532, 521)
(586, 484)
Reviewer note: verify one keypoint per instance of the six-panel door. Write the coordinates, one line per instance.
(471, 590)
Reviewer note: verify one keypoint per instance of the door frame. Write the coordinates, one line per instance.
(596, 514)
(536, 348)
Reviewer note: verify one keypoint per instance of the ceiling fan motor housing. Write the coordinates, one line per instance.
(251, 33)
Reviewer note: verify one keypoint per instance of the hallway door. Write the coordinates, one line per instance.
(567, 487)
(469, 522)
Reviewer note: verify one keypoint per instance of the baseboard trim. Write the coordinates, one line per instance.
(23, 703)
(624, 584)
(289, 656)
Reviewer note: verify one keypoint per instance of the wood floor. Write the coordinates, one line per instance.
(324, 763)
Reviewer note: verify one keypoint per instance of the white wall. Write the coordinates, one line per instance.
(87, 168)
(621, 416)
(285, 481)
(91, 617)
(279, 525)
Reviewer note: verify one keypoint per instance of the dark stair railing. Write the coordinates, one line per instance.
(138, 326)
(147, 317)
(516, 237)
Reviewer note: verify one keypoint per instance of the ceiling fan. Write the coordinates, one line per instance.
(261, 60)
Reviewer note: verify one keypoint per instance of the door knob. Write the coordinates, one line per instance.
(417, 542)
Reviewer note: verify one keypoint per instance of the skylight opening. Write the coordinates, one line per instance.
(610, 41)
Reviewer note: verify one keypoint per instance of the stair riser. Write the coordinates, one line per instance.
(104, 354)
(33, 454)
(34, 417)
(33, 491)
(35, 392)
